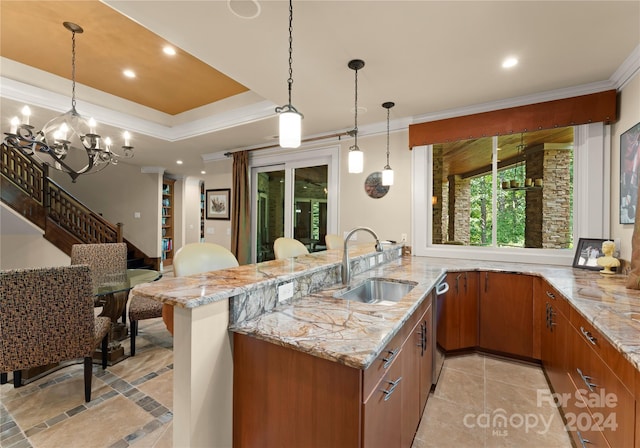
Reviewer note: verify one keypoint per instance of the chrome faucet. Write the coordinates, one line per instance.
(346, 266)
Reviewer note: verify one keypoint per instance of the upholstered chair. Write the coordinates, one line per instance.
(141, 308)
(108, 262)
(334, 241)
(288, 247)
(46, 316)
(196, 258)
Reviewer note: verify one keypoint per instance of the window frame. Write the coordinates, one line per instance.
(591, 186)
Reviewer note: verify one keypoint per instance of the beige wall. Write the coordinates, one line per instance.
(629, 117)
(218, 176)
(389, 216)
(118, 192)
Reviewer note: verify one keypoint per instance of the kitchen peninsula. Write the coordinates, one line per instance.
(314, 322)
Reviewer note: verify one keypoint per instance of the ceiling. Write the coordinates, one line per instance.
(431, 58)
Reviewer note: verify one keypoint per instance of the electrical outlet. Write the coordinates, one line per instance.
(403, 237)
(372, 262)
(285, 291)
(354, 237)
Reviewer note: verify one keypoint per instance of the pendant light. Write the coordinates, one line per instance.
(290, 119)
(387, 172)
(356, 161)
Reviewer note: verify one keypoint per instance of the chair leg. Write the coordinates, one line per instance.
(3, 378)
(124, 315)
(17, 378)
(133, 331)
(88, 375)
(105, 350)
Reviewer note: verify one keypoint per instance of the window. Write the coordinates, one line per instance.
(502, 197)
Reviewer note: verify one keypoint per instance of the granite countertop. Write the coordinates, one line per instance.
(354, 334)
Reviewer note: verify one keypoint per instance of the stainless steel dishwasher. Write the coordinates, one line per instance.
(438, 352)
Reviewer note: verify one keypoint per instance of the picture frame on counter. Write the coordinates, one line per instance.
(218, 204)
(588, 250)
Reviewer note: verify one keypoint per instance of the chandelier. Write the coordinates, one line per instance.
(69, 142)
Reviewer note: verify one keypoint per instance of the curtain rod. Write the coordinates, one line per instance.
(339, 135)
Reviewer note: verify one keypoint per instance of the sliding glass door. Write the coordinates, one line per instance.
(293, 199)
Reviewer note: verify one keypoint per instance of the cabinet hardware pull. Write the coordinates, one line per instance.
(387, 392)
(583, 441)
(587, 380)
(551, 295)
(457, 283)
(390, 357)
(588, 335)
(465, 282)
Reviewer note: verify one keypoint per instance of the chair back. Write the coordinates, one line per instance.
(334, 241)
(195, 258)
(46, 316)
(288, 247)
(108, 261)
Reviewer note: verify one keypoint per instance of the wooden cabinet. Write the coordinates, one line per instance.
(167, 221)
(608, 405)
(330, 404)
(506, 313)
(554, 331)
(458, 323)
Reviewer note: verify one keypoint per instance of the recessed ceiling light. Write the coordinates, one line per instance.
(245, 9)
(179, 162)
(509, 62)
(203, 172)
(129, 73)
(168, 49)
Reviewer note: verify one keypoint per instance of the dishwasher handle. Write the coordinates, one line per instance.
(442, 288)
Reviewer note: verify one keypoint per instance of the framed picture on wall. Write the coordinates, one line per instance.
(219, 204)
(588, 251)
(629, 171)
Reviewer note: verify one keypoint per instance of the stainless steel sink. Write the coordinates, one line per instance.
(375, 290)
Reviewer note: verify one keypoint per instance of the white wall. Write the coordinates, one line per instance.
(191, 210)
(389, 216)
(22, 244)
(118, 192)
(629, 117)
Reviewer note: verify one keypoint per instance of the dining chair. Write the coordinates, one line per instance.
(46, 316)
(334, 241)
(196, 258)
(288, 247)
(108, 262)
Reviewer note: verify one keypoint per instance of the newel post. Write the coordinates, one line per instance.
(119, 237)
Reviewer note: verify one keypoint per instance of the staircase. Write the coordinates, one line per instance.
(26, 188)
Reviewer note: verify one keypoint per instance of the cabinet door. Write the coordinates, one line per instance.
(382, 410)
(458, 316)
(469, 310)
(506, 313)
(426, 357)
(411, 409)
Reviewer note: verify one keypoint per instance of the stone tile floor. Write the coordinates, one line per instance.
(132, 404)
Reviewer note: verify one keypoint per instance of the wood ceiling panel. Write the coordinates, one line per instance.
(32, 33)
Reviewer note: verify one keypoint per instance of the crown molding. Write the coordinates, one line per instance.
(628, 70)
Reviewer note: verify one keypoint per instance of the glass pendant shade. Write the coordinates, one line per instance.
(356, 161)
(387, 176)
(290, 129)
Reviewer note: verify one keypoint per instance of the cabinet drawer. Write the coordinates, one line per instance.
(556, 299)
(381, 365)
(382, 410)
(604, 403)
(609, 354)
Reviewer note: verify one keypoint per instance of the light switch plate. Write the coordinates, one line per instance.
(285, 291)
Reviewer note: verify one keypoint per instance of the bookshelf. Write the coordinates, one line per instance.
(202, 210)
(167, 221)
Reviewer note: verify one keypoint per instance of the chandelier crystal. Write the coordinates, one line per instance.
(356, 157)
(290, 120)
(68, 142)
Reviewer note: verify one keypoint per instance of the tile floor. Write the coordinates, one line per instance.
(132, 402)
